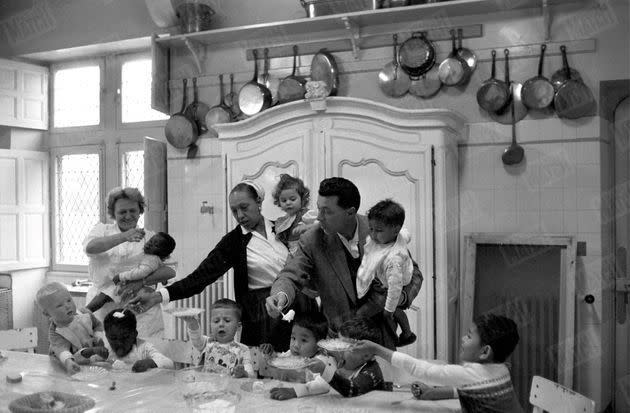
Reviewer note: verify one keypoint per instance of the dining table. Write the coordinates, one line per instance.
(159, 390)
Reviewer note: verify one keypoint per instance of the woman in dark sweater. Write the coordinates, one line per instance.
(256, 256)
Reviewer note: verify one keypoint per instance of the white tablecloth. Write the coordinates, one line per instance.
(158, 391)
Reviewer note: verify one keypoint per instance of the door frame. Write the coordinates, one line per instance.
(611, 94)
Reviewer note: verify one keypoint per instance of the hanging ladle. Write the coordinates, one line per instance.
(514, 153)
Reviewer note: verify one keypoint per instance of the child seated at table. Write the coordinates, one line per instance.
(307, 330)
(125, 346)
(75, 338)
(386, 268)
(482, 380)
(358, 372)
(219, 352)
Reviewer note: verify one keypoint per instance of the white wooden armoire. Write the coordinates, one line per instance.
(407, 155)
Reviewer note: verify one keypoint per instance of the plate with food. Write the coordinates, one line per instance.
(184, 311)
(91, 374)
(289, 362)
(335, 344)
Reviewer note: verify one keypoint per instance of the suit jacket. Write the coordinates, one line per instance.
(320, 263)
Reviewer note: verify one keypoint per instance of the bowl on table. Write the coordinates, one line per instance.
(206, 391)
(51, 401)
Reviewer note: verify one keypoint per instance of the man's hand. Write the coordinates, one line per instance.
(275, 303)
(144, 300)
(282, 393)
(133, 235)
(71, 366)
(143, 365)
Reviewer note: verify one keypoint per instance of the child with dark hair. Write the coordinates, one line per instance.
(292, 196)
(125, 346)
(157, 249)
(482, 380)
(386, 268)
(219, 352)
(358, 372)
(308, 329)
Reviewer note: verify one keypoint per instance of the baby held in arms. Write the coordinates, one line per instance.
(219, 352)
(307, 330)
(126, 349)
(75, 338)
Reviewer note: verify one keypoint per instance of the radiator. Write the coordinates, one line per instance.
(204, 300)
(537, 351)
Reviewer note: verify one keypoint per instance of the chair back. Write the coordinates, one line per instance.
(19, 339)
(554, 398)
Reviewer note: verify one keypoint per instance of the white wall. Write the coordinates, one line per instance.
(25, 285)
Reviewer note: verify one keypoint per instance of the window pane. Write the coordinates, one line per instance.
(78, 205)
(136, 92)
(133, 174)
(77, 94)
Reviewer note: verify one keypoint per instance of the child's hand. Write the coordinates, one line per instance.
(143, 365)
(418, 388)
(282, 393)
(71, 366)
(266, 349)
(192, 322)
(316, 366)
(239, 371)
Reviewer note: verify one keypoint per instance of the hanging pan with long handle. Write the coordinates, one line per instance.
(453, 70)
(503, 115)
(391, 79)
(292, 87)
(538, 92)
(573, 99)
(220, 113)
(231, 99)
(181, 131)
(467, 55)
(561, 75)
(254, 97)
(493, 94)
(514, 153)
(197, 110)
(271, 82)
(416, 55)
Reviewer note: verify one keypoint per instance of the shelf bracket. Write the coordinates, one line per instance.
(192, 46)
(355, 36)
(546, 19)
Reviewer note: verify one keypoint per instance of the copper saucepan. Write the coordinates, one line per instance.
(253, 96)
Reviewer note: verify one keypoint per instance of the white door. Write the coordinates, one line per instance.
(622, 241)
(384, 164)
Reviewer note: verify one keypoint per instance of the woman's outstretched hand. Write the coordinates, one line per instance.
(134, 235)
(144, 300)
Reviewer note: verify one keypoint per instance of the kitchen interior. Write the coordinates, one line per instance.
(513, 207)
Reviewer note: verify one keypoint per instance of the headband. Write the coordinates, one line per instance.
(257, 188)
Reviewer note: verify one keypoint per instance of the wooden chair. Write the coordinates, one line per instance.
(19, 339)
(183, 353)
(554, 398)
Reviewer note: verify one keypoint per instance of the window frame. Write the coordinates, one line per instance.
(120, 61)
(100, 62)
(54, 154)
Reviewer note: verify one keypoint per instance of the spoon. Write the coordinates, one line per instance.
(514, 153)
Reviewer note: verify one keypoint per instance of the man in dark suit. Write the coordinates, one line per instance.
(328, 258)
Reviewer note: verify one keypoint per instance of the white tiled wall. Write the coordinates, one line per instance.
(556, 189)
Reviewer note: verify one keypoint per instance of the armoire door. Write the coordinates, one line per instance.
(385, 165)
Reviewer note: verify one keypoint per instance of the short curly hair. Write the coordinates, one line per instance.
(291, 182)
(132, 194)
(388, 212)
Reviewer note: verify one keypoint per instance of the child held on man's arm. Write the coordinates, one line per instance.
(125, 346)
(220, 353)
(358, 372)
(307, 330)
(482, 380)
(75, 338)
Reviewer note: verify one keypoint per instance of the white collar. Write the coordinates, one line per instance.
(352, 245)
(268, 229)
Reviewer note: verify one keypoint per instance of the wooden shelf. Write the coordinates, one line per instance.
(353, 25)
